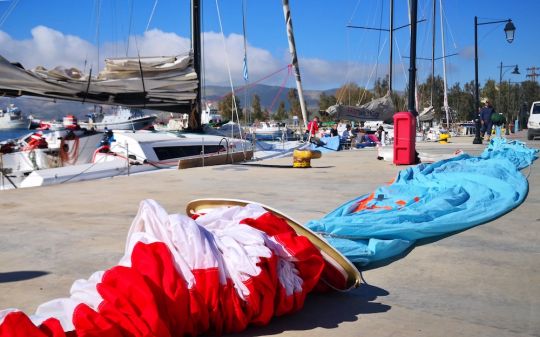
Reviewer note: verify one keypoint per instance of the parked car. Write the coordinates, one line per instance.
(533, 124)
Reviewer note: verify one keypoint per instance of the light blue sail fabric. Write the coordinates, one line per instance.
(429, 201)
(515, 151)
(326, 144)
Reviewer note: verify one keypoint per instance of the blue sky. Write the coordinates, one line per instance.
(65, 32)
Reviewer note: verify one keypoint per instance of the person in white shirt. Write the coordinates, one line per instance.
(342, 127)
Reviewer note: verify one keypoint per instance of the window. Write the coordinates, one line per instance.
(170, 152)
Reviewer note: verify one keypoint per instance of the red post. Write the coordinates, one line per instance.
(404, 138)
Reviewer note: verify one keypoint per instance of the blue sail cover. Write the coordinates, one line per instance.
(429, 201)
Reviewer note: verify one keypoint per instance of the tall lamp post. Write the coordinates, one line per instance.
(501, 74)
(509, 31)
(515, 100)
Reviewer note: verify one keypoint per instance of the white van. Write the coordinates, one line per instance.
(533, 124)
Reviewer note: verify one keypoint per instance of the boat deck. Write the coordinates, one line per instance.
(481, 282)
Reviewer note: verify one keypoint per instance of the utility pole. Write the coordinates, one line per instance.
(532, 73)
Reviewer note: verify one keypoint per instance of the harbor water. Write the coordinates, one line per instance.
(13, 133)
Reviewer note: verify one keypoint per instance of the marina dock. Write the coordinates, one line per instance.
(484, 281)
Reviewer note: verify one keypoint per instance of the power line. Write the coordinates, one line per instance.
(532, 73)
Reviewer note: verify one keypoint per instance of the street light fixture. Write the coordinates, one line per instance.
(509, 31)
(501, 74)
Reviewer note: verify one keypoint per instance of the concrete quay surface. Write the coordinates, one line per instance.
(481, 282)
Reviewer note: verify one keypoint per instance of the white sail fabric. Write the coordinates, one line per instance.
(167, 83)
(427, 114)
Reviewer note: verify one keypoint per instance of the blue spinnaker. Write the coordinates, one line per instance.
(429, 201)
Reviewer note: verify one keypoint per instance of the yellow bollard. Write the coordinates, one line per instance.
(302, 158)
(443, 138)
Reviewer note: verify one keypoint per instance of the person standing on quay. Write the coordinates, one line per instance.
(485, 119)
(313, 127)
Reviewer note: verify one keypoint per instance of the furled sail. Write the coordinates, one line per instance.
(167, 83)
(427, 114)
(380, 109)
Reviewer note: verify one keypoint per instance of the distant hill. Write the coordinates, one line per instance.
(267, 94)
(47, 109)
(55, 109)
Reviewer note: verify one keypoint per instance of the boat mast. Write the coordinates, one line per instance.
(444, 68)
(412, 60)
(196, 109)
(433, 51)
(292, 49)
(391, 44)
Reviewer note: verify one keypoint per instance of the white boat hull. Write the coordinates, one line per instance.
(58, 153)
(14, 124)
(119, 167)
(132, 124)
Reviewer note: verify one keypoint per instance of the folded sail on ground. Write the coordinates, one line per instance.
(163, 83)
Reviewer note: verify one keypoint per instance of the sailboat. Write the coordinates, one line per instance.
(163, 83)
(169, 83)
(428, 113)
(380, 109)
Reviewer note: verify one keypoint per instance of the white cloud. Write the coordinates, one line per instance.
(217, 58)
(50, 48)
(153, 43)
(467, 53)
(47, 47)
(322, 74)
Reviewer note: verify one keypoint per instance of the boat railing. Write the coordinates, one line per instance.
(4, 175)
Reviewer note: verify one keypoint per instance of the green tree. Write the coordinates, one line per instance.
(424, 94)
(365, 96)
(226, 107)
(490, 91)
(256, 106)
(352, 94)
(294, 103)
(468, 88)
(462, 101)
(266, 114)
(399, 101)
(525, 93)
(530, 92)
(503, 99)
(381, 86)
(514, 100)
(326, 101)
(281, 113)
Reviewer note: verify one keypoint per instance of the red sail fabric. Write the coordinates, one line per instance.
(229, 268)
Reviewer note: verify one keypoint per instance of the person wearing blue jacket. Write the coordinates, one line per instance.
(485, 119)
